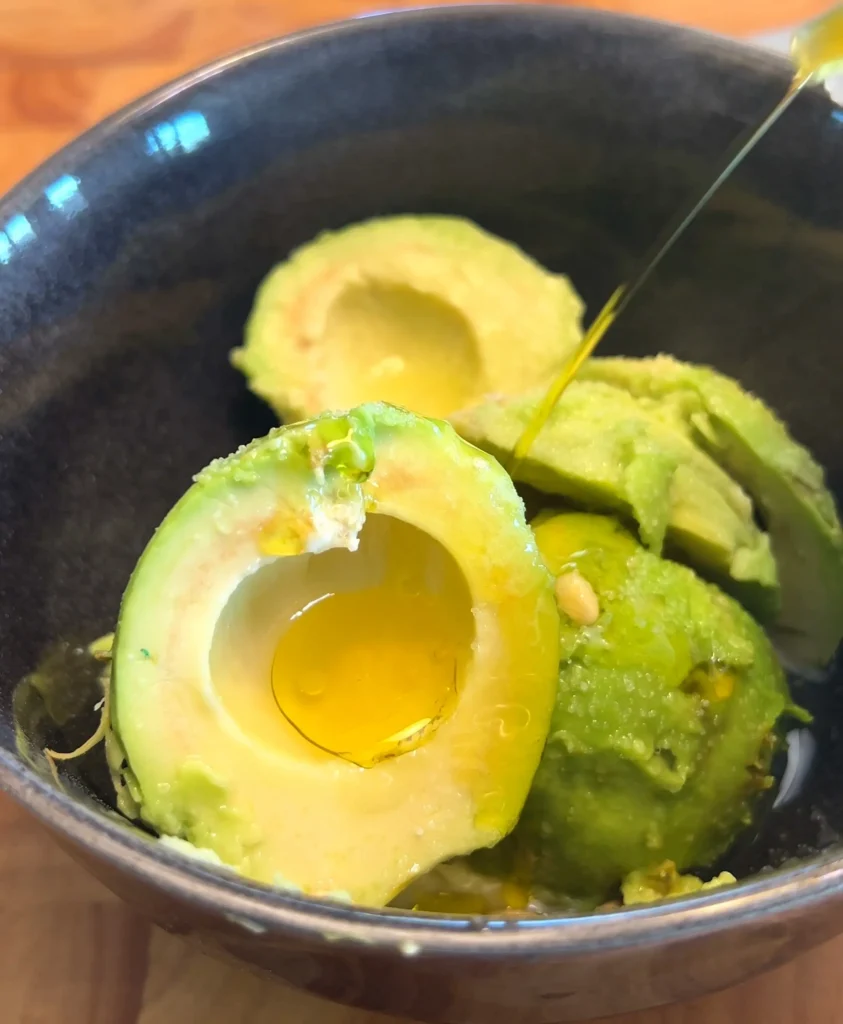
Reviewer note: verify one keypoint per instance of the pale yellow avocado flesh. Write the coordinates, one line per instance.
(425, 312)
(399, 343)
(201, 638)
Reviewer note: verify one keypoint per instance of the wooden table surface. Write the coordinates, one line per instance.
(71, 953)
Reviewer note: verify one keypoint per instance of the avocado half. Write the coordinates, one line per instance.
(333, 508)
(665, 717)
(426, 312)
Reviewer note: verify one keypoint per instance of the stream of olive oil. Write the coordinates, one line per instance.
(817, 53)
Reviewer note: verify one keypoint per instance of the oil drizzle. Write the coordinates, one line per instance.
(817, 52)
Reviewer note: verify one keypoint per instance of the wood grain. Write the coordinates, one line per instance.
(65, 64)
(71, 953)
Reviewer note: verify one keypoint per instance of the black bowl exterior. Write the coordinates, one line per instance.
(127, 267)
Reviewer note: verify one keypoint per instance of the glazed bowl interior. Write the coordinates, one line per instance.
(129, 262)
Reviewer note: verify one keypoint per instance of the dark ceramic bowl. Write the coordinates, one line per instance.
(127, 266)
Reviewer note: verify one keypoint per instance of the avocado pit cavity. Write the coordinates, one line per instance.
(390, 342)
(361, 651)
(371, 667)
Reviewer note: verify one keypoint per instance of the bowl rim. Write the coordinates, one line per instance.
(259, 909)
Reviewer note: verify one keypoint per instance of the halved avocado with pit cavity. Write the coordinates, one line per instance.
(335, 662)
(426, 312)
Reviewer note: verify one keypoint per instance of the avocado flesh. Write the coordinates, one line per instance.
(606, 450)
(426, 312)
(665, 713)
(751, 444)
(317, 507)
(663, 881)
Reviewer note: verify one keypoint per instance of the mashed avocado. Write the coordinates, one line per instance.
(663, 881)
(664, 721)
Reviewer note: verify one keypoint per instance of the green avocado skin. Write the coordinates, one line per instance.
(642, 764)
(787, 485)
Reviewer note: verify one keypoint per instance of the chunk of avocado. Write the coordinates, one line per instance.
(665, 713)
(329, 570)
(756, 449)
(607, 450)
(426, 312)
(663, 881)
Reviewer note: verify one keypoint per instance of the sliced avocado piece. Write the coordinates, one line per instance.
(664, 723)
(426, 312)
(323, 672)
(756, 449)
(607, 450)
